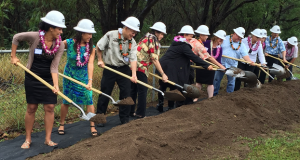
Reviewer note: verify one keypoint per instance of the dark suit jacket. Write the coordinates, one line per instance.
(176, 62)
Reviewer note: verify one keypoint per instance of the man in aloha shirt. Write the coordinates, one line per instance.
(274, 47)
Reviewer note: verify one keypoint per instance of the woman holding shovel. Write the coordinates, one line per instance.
(176, 61)
(205, 76)
(46, 49)
(147, 53)
(263, 43)
(80, 66)
(255, 50)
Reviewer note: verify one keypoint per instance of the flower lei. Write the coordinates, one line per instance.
(275, 43)
(232, 44)
(292, 51)
(200, 41)
(180, 39)
(86, 55)
(250, 44)
(56, 46)
(211, 51)
(120, 44)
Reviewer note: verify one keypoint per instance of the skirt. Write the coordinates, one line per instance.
(205, 76)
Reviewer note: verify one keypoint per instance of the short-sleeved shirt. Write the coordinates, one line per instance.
(199, 49)
(148, 49)
(109, 45)
(228, 51)
(279, 47)
(290, 53)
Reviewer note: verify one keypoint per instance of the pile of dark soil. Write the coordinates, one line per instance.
(204, 130)
(99, 118)
(125, 102)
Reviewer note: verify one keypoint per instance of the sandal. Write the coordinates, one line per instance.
(50, 143)
(94, 133)
(27, 145)
(61, 132)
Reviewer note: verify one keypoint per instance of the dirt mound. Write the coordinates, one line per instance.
(205, 130)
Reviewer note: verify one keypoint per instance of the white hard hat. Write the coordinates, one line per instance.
(187, 29)
(293, 41)
(203, 29)
(258, 33)
(132, 23)
(55, 18)
(221, 34)
(264, 32)
(159, 26)
(240, 31)
(275, 29)
(86, 26)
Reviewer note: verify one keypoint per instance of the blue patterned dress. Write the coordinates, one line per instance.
(77, 93)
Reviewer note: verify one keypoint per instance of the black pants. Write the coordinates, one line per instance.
(270, 62)
(163, 87)
(140, 91)
(290, 68)
(107, 84)
(245, 67)
(188, 100)
(256, 71)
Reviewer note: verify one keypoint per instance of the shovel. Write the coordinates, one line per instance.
(190, 90)
(171, 95)
(249, 78)
(232, 71)
(258, 65)
(83, 116)
(293, 77)
(277, 70)
(282, 61)
(116, 103)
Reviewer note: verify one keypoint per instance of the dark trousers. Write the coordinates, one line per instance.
(256, 71)
(188, 100)
(245, 67)
(290, 68)
(163, 87)
(107, 84)
(270, 62)
(140, 91)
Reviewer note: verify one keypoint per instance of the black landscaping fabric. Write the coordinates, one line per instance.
(11, 149)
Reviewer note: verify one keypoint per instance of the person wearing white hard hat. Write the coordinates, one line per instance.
(263, 43)
(46, 49)
(203, 76)
(232, 47)
(148, 51)
(291, 47)
(80, 66)
(274, 47)
(255, 50)
(176, 61)
(117, 49)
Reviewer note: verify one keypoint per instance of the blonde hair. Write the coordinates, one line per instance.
(214, 38)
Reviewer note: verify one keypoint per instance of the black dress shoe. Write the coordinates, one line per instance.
(100, 125)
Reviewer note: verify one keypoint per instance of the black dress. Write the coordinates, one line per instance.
(37, 92)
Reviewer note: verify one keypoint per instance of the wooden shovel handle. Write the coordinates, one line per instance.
(126, 76)
(199, 67)
(78, 82)
(161, 78)
(44, 82)
(284, 65)
(241, 60)
(282, 61)
(211, 64)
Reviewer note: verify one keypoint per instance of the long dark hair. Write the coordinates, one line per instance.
(78, 38)
(45, 26)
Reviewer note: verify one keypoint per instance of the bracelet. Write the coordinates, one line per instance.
(90, 79)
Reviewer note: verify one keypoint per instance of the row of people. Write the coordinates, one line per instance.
(118, 50)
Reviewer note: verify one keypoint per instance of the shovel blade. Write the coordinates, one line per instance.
(234, 72)
(277, 70)
(174, 95)
(85, 117)
(191, 91)
(125, 102)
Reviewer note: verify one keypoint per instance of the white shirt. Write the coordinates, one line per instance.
(288, 52)
(253, 55)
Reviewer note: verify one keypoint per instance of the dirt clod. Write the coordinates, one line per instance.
(125, 102)
(99, 118)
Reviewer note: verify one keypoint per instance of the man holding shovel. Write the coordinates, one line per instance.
(232, 47)
(274, 47)
(118, 49)
(291, 52)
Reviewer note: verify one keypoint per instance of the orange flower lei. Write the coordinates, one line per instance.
(121, 49)
(200, 41)
(275, 43)
(232, 44)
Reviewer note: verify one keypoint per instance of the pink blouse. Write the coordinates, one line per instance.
(199, 49)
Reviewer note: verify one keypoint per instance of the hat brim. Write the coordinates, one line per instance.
(130, 26)
(294, 44)
(240, 35)
(259, 36)
(53, 23)
(202, 33)
(158, 30)
(219, 36)
(275, 31)
(84, 30)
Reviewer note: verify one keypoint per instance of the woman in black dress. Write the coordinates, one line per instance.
(46, 49)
